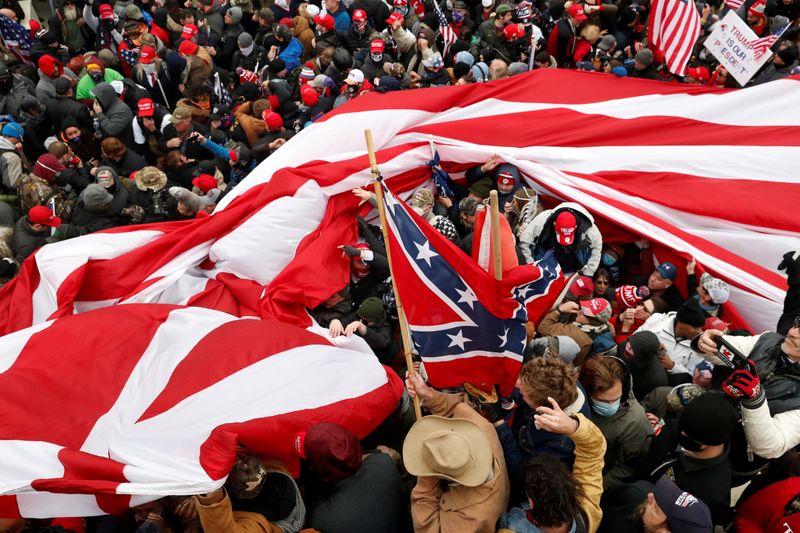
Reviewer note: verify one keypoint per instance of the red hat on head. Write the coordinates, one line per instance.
(309, 96)
(359, 15)
(332, 451)
(700, 74)
(286, 21)
(757, 9)
(505, 178)
(188, 48)
(205, 182)
(713, 322)
(189, 31)
(627, 296)
(41, 214)
(146, 107)
(273, 120)
(106, 12)
(566, 224)
(576, 11)
(400, 3)
(394, 17)
(247, 76)
(582, 287)
(325, 21)
(147, 54)
(595, 308)
(51, 66)
(511, 31)
(377, 46)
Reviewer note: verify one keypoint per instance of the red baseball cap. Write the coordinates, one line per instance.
(205, 182)
(576, 11)
(394, 17)
(716, 323)
(582, 287)
(106, 12)
(41, 214)
(309, 96)
(326, 21)
(627, 296)
(188, 48)
(189, 31)
(511, 31)
(700, 74)
(565, 228)
(146, 107)
(147, 54)
(377, 46)
(359, 15)
(286, 21)
(505, 178)
(274, 121)
(594, 307)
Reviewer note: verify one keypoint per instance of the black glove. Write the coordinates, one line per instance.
(351, 251)
(790, 263)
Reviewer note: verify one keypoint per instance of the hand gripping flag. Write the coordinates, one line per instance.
(466, 326)
(122, 405)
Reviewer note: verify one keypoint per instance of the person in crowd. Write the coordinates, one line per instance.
(609, 388)
(710, 292)
(661, 283)
(642, 354)
(583, 322)
(462, 480)
(676, 330)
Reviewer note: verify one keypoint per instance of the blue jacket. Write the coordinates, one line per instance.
(218, 151)
(291, 54)
(341, 19)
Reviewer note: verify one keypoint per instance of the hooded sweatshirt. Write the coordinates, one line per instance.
(117, 118)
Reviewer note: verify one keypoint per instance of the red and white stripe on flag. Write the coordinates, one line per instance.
(674, 28)
(136, 402)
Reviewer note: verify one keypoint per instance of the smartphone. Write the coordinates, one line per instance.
(730, 356)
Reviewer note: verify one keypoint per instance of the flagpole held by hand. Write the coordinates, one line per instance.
(497, 256)
(400, 312)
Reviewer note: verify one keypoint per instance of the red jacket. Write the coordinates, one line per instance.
(764, 511)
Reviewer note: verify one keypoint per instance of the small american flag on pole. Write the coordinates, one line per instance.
(448, 33)
(760, 46)
(16, 37)
(674, 28)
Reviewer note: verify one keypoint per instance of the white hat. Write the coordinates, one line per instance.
(487, 3)
(118, 86)
(355, 76)
(312, 10)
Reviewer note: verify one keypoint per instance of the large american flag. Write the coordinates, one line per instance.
(447, 32)
(674, 28)
(466, 326)
(761, 45)
(136, 402)
(16, 37)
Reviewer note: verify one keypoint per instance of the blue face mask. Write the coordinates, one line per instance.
(76, 140)
(458, 17)
(605, 408)
(609, 259)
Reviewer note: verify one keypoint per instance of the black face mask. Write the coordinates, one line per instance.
(6, 84)
(689, 443)
(97, 77)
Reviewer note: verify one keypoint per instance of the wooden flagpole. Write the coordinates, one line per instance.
(494, 215)
(401, 315)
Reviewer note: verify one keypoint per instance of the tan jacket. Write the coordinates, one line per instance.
(253, 127)
(461, 509)
(302, 30)
(217, 516)
(590, 448)
(550, 326)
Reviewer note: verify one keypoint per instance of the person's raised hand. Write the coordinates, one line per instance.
(706, 342)
(554, 419)
(416, 386)
(569, 308)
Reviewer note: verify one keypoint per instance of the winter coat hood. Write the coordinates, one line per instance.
(105, 94)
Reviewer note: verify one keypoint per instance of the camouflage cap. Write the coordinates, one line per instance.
(246, 477)
(421, 198)
(150, 179)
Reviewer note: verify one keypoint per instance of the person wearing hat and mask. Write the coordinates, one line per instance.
(644, 507)
(151, 74)
(347, 490)
(96, 73)
(563, 38)
(489, 32)
(357, 38)
(676, 330)
(368, 270)
(354, 85)
(694, 450)
(609, 386)
(32, 230)
(641, 354)
(182, 135)
(259, 495)
(569, 230)
(64, 105)
(781, 65)
(757, 18)
(709, 292)
(13, 163)
(326, 33)
(558, 499)
(372, 65)
(229, 37)
(462, 481)
(248, 56)
(150, 122)
(583, 321)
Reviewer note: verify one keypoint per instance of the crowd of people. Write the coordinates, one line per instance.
(626, 416)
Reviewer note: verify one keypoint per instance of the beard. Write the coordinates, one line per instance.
(71, 13)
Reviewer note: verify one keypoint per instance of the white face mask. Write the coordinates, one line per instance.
(376, 57)
(247, 50)
(148, 68)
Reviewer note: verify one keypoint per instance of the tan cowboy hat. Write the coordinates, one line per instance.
(150, 179)
(451, 448)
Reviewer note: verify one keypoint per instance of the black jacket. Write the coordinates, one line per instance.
(64, 106)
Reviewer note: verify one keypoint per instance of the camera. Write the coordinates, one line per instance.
(730, 356)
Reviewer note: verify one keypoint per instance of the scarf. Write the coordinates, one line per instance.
(247, 50)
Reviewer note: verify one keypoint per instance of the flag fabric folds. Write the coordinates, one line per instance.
(137, 402)
(761, 45)
(674, 27)
(16, 37)
(465, 325)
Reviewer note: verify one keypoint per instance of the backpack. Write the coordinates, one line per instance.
(33, 190)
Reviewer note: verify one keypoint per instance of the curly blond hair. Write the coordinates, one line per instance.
(549, 376)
